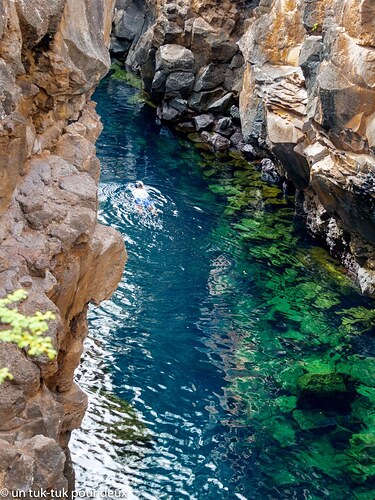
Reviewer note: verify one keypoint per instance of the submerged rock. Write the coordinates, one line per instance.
(309, 420)
(295, 76)
(307, 96)
(325, 391)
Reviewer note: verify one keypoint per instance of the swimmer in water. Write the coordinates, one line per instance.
(142, 198)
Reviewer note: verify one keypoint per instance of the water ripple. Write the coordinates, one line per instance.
(181, 358)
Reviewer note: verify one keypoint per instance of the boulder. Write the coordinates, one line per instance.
(119, 46)
(237, 138)
(216, 141)
(167, 112)
(173, 57)
(209, 77)
(221, 105)
(178, 84)
(203, 122)
(201, 101)
(224, 126)
(268, 170)
(186, 127)
(308, 420)
(158, 85)
(172, 110)
(129, 20)
(237, 61)
(325, 391)
(174, 72)
(249, 152)
(235, 113)
(179, 104)
(223, 50)
(201, 34)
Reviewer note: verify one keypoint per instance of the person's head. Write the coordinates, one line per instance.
(138, 184)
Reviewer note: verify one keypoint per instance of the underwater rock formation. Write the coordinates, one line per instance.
(293, 77)
(51, 243)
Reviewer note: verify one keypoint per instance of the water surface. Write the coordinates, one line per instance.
(193, 367)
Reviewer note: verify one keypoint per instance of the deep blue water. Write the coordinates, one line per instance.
(184, 330)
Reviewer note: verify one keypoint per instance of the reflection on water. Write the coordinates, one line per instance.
(195, 368)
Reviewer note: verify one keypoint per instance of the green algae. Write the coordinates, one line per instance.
(283, 432)
(141, 97)
(361, 455)
(309, 420)
(359, 368)
(126, 429)
(357, 320)
(286, 403)
(303, 386)
(118, 72)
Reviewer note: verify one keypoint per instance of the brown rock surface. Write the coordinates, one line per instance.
(312, 101)
(51, 243)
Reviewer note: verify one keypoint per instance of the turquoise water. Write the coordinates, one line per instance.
(195, 366)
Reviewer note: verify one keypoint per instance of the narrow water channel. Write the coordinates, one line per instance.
(201, 369)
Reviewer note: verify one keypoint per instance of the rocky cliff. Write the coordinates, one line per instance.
(293, 77)
(309, 94)
(52, 55)
(187, 56)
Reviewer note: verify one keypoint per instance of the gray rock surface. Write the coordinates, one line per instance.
(172, 57)
(203, 122)
(198, 38)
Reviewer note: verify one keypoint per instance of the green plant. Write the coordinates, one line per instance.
(27, 332)
(315, 27)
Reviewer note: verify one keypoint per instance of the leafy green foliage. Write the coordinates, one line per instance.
(27, 332)
(5, 375)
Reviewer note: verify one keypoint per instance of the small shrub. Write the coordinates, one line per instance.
(27, 332)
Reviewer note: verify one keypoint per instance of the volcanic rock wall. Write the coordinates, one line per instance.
(52, 55)
(187, 56)
(294, 77)
(309, 95)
